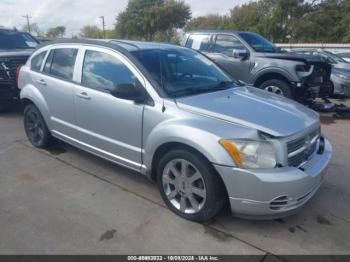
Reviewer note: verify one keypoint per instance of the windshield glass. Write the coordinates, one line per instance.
(259, 43)
(16, 40)
(334, 56)
(183, 72)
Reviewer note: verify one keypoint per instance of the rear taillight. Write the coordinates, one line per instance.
(18, 69)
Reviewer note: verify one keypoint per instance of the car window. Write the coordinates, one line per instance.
(37, 61)
(226, 44)
(60, 63)
(102, 71)
(181, 71)
(198, 42)
(17, 40)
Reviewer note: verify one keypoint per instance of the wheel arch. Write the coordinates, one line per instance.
(31, 95)
(269, 76)
(166, 147)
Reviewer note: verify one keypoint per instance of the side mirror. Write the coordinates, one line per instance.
(129, 91)
(240, 53)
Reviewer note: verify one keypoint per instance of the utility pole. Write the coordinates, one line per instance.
(28, 24)
(103, 26)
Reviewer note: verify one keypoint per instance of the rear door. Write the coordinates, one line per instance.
(108, 126)
(57, 86)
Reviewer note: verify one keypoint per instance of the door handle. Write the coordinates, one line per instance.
(41, 82)
(84, 95)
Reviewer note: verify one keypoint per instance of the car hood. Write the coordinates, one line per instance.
(294, 57)
(16, 52)
(254, 108)
(342, 65)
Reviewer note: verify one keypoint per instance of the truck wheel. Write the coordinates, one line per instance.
(277, 87)
(189, 185)
(35, 127)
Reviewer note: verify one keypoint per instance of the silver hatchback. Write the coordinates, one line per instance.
(171, 114)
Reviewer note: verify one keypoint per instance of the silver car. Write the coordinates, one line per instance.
(171, 114)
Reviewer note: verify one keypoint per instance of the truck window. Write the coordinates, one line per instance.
(225, 44)
(198, 42)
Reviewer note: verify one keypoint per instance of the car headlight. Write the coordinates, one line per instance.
(250, 154)
(304, 70)
(343, 76)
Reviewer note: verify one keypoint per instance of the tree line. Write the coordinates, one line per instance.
(280, 21)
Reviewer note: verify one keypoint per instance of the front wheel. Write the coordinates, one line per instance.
(277, 87)
(189, 185)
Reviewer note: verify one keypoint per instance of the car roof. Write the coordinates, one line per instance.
(7, 30)
(125, 47)
(118, 44)
(215, 31)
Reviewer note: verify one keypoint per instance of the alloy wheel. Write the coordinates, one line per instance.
(274, 89)
(184, 186)
(34, 127)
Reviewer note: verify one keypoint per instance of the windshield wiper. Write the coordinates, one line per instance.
(187, 91)
(223, 85)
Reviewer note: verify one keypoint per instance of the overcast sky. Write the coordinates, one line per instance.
(74, 14)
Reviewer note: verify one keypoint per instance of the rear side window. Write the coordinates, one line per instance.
(102, 71)
(198, 42)
(37, 61)
(60, 63)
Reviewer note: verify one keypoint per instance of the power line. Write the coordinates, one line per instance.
(103, 26)
(28, 24)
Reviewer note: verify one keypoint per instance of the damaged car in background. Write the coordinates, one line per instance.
(253, 59)
(340, 77)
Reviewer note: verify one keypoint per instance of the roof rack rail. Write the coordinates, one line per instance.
(124, 42)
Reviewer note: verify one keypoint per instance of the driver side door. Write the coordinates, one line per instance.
(108, 126)
(224, 48)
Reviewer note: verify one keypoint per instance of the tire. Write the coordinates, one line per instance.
(35, 127)
(282, 88)
(210, 200)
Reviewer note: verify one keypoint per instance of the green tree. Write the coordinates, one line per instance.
(143, 19)
(57, 31)
(285, 20)
(91, 31)
(212, 21)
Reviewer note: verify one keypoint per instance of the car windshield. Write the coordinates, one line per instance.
(16, 40)
(334, 57)
(182, 72)
(259, 43)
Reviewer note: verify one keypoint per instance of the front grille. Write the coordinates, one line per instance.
(10, 65)
(300, 149)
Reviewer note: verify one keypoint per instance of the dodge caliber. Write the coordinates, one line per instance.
(171, 114)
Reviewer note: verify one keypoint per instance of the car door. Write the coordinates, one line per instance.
(223, 54)
(57, 87)
(108, 126)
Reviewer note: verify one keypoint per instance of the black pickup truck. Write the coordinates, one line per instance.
(15, 48)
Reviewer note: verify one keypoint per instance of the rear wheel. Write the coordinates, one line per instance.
(277, 87)
(35, 127)
(189, 185)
